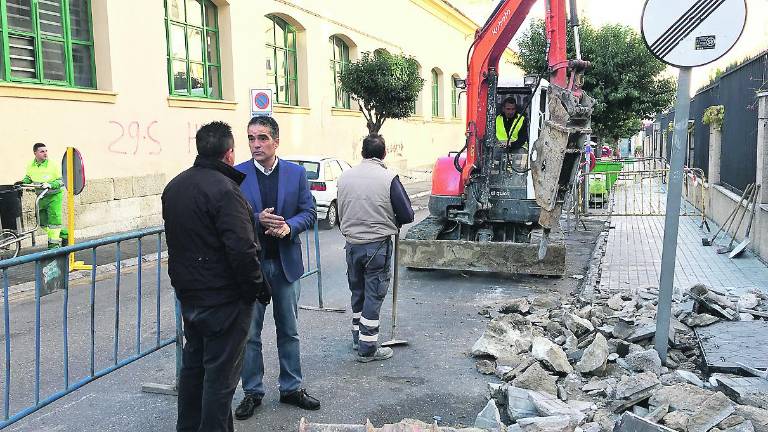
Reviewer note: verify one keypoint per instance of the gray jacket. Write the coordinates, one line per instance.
(372, 203)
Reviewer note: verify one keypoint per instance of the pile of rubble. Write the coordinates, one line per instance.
(567, 366)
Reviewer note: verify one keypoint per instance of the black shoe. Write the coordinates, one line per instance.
(301, 399)
(247, 406)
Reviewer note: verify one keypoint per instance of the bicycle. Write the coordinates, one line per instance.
(10, 240)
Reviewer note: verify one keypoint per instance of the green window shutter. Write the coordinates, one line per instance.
(454, 103)
(47, 42)
(282, 62)
(194, 56)
(435, 94)
(339, 61)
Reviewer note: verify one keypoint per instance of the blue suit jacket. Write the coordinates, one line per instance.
(294, 203)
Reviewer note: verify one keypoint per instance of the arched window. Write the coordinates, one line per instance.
(454, 99)
(339, 61)
(282, 69)
(437, 89)
(47, 42)
(194, 64)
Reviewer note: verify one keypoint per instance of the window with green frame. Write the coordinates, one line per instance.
(47, 42)
(339, 61)
(194, 61)
(282, 75)
(435, 93)
(454, 101)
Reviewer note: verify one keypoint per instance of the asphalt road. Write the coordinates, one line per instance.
(433, 376)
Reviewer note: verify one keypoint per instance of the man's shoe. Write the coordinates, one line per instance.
(382, 353)
(301, 399)
(247, 406)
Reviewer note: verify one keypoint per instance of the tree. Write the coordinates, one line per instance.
(384, 85)
(625, 79)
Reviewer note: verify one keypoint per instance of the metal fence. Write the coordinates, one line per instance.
(640, 189)
(736, 90)
(51, 274)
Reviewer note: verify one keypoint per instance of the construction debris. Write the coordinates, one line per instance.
(592, 367)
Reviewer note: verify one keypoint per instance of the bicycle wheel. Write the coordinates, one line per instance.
(9, 245)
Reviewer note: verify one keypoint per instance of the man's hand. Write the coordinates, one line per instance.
(280, 232)
(271, 221)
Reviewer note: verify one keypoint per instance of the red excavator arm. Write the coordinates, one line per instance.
(490, 43)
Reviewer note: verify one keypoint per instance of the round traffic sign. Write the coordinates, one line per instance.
(261, 100)
(689, 33)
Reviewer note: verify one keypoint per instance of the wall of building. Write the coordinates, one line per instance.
(130, 128)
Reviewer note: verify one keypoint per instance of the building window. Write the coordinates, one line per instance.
(282, 75)
(454, 100)
(436, 87)
(194, 63)
(339, 62)
(47, 42)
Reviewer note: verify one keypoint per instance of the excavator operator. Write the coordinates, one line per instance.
(512, 127)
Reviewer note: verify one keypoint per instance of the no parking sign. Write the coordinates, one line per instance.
(261, 102)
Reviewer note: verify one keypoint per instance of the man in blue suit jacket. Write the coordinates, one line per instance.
(279, 193)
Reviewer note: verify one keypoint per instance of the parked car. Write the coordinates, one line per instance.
(323, 173)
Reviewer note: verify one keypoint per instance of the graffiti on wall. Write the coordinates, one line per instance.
(134, 137)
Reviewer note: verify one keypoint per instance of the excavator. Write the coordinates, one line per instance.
(482, 217)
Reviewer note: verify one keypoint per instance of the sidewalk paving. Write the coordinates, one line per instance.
(633, 258)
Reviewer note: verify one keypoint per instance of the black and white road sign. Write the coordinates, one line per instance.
(689, 33)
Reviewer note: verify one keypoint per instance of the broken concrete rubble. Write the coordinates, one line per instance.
(689, 377)
(681, 397)
(519, 405)
(758, 416)
(551, 355)
(503, 334)
(644, 361)
(489, 418)
(714, 410)
(633, 423)
(518, 305)
(547, 424)
(746, 426)
(595, 357)
(485, 367)
(536, 378)
(631, 387)
(578, 325)
(547, 406)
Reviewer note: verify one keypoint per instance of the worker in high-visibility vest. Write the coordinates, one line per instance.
(41, 170)
(511, 126)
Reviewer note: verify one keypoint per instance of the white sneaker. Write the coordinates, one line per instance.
(382, 353)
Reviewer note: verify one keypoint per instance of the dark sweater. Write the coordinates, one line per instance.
(268, 191)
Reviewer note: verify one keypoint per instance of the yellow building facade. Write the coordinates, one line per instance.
(129, 82)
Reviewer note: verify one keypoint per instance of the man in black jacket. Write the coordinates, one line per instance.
(214, 268)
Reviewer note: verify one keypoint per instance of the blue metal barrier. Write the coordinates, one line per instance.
(312, 264)
(69, 387)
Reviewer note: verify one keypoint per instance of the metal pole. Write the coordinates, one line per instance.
(587, 160)
(674, 188)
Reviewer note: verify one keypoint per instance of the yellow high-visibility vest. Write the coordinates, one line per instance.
(501, 133)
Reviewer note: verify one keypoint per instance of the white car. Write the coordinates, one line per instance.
(323, 173)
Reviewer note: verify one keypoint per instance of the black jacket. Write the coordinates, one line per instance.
(210, 231)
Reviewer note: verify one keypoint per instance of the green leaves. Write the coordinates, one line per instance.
(625, 79)
(385, 86)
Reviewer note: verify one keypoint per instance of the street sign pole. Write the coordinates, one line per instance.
(671, 223)
(684, 34)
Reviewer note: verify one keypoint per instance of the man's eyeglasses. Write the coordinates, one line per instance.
(259, 137)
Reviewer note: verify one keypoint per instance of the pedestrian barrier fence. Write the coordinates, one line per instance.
(639, 188)
(51, 275)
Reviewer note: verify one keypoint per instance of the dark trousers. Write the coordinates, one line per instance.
(368, 267)
(213, 357)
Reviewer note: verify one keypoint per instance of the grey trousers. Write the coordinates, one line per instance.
(368, 268)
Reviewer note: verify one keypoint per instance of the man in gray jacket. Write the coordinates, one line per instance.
(373, 205)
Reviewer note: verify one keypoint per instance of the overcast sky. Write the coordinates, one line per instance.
(627, 12)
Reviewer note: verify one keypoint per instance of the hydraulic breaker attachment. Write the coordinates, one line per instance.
(556, 155)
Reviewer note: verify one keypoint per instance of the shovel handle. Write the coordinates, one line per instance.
(755, 193)
(735, 211)
(741, 219)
